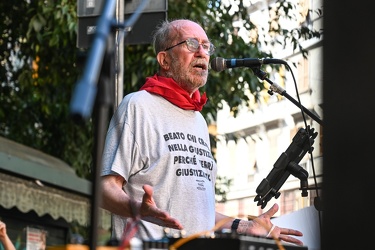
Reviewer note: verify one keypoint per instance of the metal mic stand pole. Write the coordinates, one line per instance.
(104, 102)
(85, 92)
(276, 88)
(84, 98)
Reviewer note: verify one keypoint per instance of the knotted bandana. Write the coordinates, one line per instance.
(170, 90)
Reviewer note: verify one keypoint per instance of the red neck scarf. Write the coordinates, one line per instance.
(170, 90)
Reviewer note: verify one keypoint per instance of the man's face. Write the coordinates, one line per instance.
(189, 69)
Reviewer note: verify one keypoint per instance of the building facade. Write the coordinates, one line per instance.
(250, 144)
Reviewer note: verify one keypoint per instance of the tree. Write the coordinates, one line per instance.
(38, 71)
(40, 65)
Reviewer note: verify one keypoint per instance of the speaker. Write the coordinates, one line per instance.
(348, 94)
(88, 12)
(152, 15)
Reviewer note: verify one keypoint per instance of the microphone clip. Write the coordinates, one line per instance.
(259, 73)
(285, 165)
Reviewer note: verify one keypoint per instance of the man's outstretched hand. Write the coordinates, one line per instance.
(262, 226)
(150, 212)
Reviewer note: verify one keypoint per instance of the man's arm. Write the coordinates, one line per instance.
(116, 201)
(261, 226)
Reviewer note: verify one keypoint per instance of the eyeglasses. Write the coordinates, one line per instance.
(193, 45)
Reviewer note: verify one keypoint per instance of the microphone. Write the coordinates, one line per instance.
(219, 64)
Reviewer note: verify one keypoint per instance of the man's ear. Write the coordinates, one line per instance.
(162, 59)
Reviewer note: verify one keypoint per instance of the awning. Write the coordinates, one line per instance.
(32, 180)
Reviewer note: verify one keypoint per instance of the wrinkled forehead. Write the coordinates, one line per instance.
(187, 29)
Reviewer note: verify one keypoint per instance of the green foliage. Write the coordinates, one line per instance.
(40, 65)
(38, 72)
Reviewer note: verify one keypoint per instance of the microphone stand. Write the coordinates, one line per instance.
(85, 96)
(276, 88)
(103, 103)
(288, 161)
(85, 92)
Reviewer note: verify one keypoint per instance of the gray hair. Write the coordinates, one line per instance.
(165, 33)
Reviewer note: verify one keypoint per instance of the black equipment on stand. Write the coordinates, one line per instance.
(285, 165)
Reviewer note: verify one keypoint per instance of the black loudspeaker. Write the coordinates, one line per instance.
(88, 12)
(348, 94)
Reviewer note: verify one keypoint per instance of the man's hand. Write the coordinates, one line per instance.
(151, 213)
(262, 226)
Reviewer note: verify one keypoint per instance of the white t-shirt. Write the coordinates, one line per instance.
(152, 141)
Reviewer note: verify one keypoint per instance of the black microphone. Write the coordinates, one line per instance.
(219, 64)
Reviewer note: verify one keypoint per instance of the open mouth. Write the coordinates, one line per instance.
(201, 66)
